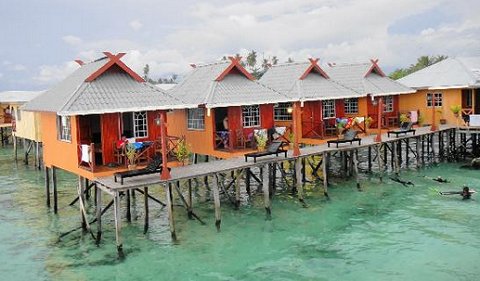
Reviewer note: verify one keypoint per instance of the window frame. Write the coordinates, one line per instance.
(348, 105)
(331, 108)
(280, 112)
(438, 99)
(64, 129)
(140, 125)
(388, 104)
(251, 117)
(199, 120)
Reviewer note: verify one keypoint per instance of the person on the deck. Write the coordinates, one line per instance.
(122, 142)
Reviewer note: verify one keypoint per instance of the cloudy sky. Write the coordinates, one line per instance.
(39, 39)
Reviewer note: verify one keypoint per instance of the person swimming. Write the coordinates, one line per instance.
(466, 192)
(405, 183)
(440, 179)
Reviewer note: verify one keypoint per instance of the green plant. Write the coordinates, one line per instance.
(368, 121)
(131, 153)
(261, 140)
(291, 137)
(404, 118)
(456, 109)
(420, 119)
(183, 151)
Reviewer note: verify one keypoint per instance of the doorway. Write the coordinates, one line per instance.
(90, 132)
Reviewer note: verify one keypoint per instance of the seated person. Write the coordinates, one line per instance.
(121, 143)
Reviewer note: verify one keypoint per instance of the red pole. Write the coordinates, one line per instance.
(296, 111)
(434, 125)
(378, 138)
(163, 130)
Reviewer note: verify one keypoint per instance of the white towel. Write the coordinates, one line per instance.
(280, 130)
(414, 116)
(85, 153)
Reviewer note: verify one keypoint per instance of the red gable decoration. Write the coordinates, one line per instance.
(314, 67)
(235, 64)
(114, 60)
(375, 68)
(80, 62)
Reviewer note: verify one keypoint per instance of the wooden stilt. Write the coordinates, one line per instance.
(247, 181)
(369, 158)
(266, 191)
(98, 199)
(129, 212)
(238, 174)
(118, 224)
(326, 158)
(350, 163)
(385, 155)
(299, 183)
(216, 199)
(54, 185)
(37, 155)
(81, 200)
(273, 181)
(15, 148)
(396, 157)
(432, 139)
(169, 201)
(304, 171)
(47, 185)
(379, 162)
(355, 168)
(407, 151)
(190, 200)
(146, 211)
(417, 149)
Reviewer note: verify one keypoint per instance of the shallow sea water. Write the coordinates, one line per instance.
(386, 232)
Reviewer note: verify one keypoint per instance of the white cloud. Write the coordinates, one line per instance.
(135, 25)
(49, 74)
(72, 40)
(19, 67)
(1, 75)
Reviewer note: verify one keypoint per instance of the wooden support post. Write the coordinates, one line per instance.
(55, 193)
(146, 211)
(169, 201)
(118, 224)
(350, 163)
(385, 156)
(355, 168)
(37, 155)
(81, 200)
(379, 161)
(129, 212)
(304, 170)
(47, 185)
(247, 181)
(216, 199)
(399, 153)
(273, 185)
(326, 158)
(407, 151)
(98, 199)
(15, 148)
(299, 183)
(343, 158)
(190, 200)
(432, 139)
(266, 191)
(238, 175)
(369, 158)
(393, 155)
(428, 147)
(423, 149)
(396, 158)
(417, 148)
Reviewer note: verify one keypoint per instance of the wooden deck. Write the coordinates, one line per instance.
(221, 166)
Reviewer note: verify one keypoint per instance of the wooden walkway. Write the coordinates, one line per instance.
(222, 166)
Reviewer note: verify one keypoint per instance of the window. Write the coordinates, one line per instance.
(251, 116)
(351, 106)
(438, 99)
(388, 104)
(64, 128)
(196, 119)
(135, 124)
(281, 112)
(328, 109)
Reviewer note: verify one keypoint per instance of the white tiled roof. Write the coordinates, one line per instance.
(286, 78)
(458, 72)
(353, 76)
(200, 87)
(18, 96)
(113, 91)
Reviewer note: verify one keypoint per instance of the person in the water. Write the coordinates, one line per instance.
(405, 183)
(466, 192)
(440, 179)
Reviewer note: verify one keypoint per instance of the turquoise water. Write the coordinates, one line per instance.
(386, 232)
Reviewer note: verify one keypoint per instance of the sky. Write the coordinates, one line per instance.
(40, 39)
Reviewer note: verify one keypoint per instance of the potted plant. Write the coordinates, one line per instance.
(456, 109)
(131, 153)
(183, 152)
(261, 140)
(291, 140)
(368, 121)
(442, 120)
(404, 118)
(420, 120)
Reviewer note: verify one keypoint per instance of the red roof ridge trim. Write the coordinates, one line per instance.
(314, 65)
(375, 67)
(114, 59)
(235, 64)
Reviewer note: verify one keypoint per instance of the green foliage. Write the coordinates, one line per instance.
(404, 118)
(261, 140)
(420, 119)
(456, 108)
(421, 63)
(183, 151)
(368, 121)
(131, 153)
